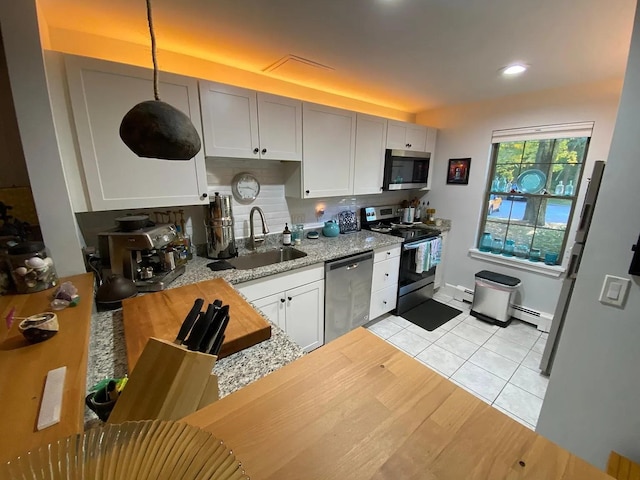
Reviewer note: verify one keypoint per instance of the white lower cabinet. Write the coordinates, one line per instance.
(384, 286)
(294, 302)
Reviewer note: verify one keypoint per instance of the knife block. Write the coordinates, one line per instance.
(167, 383)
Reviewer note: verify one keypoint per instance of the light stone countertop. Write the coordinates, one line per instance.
(107, 349)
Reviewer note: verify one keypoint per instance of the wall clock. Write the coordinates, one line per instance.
(245, 187)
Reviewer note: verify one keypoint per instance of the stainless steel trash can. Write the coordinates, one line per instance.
(492, 297)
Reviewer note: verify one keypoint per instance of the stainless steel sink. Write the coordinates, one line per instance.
(255, 260)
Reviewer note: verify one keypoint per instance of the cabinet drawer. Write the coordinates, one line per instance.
(263, 287)
(386, 253)
(383, 301)
(385, 274)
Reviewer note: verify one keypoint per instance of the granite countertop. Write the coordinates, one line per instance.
(107, 350)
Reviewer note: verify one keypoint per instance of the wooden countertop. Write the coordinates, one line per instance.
(358, 408)
(24, 368)
(161, 314)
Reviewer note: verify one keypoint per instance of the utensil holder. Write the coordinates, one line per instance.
(168, 382)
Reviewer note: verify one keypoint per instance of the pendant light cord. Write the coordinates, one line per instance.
(153, 52)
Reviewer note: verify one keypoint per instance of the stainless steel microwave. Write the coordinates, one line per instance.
(404, 169)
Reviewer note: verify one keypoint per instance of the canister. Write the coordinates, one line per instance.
(32, 268)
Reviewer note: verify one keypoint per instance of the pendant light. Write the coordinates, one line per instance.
(155, 129)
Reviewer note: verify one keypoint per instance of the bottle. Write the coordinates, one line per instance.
(568, 190)
(486, 242)
(559, 188)
(286, 236)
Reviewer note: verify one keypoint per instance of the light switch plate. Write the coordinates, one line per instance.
(614, 291)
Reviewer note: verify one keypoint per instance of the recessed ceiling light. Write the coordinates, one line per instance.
(514, 69)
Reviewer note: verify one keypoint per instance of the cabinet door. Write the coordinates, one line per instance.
(416, 138)
(305, 315)
(383, 301)
(274, 308)
(328, 151)
(101, 94)
(385, 274)
(280, 127)
(371, 141)
(230, 121)
(396, 135)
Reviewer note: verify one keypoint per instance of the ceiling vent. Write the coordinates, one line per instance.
(294, 63)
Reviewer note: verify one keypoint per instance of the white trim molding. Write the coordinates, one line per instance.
(555, 271)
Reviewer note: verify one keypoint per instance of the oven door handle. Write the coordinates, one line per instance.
(413, 246)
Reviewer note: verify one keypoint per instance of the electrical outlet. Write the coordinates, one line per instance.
(297, 218)
(614, 291)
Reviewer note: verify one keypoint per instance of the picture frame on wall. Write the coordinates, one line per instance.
(458, 171)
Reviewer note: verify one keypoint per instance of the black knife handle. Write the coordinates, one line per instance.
(215, 350)
(199, 330)
(223, 326)
(210, 336)
(189, 321)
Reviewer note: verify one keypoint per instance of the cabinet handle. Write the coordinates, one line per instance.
(388, 253)
(205, 195)
(289, 298)
(410, 145)
(386, 274)
(256, 150)
(307, 192)
(264, 150)
(407, 145)
(384, 301)
(282, 300)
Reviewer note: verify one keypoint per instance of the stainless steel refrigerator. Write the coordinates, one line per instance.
(560, 313)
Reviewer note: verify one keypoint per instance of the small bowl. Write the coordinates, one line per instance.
(40, 327)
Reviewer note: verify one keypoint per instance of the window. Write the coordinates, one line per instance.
(532, 187)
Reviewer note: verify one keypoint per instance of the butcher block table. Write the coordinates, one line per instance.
(161, 314)
(358, 408)
(24, 368)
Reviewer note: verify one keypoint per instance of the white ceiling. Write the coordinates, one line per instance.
(407, 54)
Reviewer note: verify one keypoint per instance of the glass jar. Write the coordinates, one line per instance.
(509, 248)
(522, 251)
(496, 246)
(296, 233)
(534, 254)
(32, 269)
(485, 242)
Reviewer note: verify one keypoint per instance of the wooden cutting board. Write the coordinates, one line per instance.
(161, 314)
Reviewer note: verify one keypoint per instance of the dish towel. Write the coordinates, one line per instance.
(421, 254)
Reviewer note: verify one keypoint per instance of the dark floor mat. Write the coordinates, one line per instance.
(431, 314)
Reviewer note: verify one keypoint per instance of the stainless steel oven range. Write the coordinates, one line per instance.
(415, 284)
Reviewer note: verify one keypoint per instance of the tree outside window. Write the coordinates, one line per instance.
(531, 192)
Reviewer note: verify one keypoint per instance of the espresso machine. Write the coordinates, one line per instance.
(221, 241)
(145, 256)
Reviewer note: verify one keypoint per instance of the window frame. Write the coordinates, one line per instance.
(495, 148)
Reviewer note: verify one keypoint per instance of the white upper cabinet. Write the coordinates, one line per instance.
(279, 127)
(329, 150)
(241, 123)
(432, 133)
(371, 140)
(406, 136)
(101, 94)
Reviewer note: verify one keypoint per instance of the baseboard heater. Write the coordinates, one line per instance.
(541, 320)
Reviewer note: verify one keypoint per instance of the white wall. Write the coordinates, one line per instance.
(465, 131)
(25, 64)
(593, 399)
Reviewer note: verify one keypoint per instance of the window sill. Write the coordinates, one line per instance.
(554, 271)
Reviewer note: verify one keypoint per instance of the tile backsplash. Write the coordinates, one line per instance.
(277, 208)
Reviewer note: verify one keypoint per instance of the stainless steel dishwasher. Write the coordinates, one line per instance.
(347, 294)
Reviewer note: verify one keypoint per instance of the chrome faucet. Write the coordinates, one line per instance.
(252, 238)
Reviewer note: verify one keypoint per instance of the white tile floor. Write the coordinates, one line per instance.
(497, 365)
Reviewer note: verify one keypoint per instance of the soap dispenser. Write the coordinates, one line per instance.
(286, 236)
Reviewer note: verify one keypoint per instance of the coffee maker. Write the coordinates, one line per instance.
(144, 256)
(221, 241)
